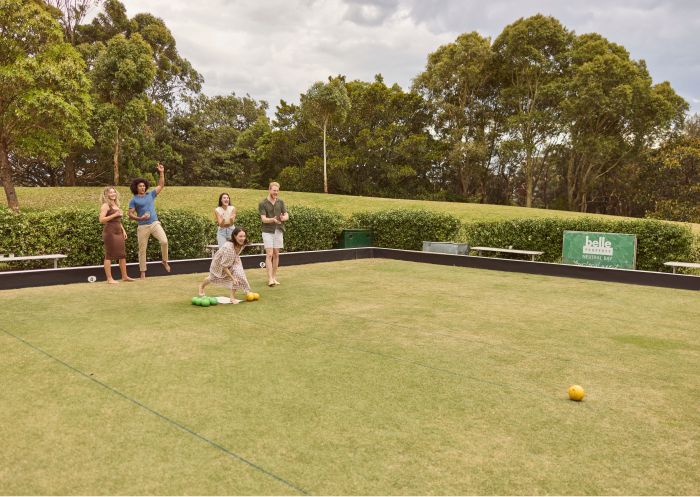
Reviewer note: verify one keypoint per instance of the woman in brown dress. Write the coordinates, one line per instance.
(227, 268)
(113, 233)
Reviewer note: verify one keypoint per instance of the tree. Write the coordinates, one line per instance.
(458, 84)
(123, 70)
(72, 14)
(531, 59)
(383, 146)
(44, 93)
(214, 139)
(175, 77)
(614, 116)
(323, 103)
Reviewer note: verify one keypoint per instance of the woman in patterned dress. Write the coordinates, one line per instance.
(113, 233)
(226, 267)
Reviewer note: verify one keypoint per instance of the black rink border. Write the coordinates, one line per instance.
(63, 276)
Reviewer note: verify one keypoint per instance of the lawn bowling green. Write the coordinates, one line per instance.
(360, 377)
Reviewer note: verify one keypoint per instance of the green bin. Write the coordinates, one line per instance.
(356, 238)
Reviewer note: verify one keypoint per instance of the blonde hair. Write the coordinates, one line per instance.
(274, 183)
(104, 199)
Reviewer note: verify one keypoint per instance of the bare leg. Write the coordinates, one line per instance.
(122, 268)
(202, 285)
(268, 266)
(275, 265)
(234, 300)
(108, 272)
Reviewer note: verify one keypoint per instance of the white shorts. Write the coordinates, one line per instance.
(273, 240)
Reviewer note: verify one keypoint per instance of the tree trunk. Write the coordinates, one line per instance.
(570, 183)
(116, 160)
(528, 181)
(69, 178)
(325, 175)
(6, 175)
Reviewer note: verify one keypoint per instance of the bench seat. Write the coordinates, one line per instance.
(531, 253)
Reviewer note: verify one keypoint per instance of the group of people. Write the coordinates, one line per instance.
(226, 267)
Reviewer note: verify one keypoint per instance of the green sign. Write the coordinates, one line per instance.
(600, 249)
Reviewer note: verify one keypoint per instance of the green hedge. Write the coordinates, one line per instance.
(78, 234)
(307, 229)
(657, 241)
(407, 228)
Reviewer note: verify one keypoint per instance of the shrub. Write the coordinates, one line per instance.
(657, 241)
(78, 234)
(407, 228)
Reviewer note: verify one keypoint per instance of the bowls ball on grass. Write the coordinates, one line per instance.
(576, 393)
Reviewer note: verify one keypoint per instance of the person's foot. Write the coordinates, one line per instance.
(166, 266)
(112, 282)
(270, 283)
(143, 275)
(127, 279)
(236, 301)
(201, 291)
(276, 282)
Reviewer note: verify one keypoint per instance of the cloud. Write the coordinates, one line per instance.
(275, 49)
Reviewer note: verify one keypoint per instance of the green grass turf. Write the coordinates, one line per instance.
(358, 377)
(203, 200)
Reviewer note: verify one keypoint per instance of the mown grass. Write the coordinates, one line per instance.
(359, 377)
(203, 200)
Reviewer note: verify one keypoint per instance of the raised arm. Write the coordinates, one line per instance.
(161, 178)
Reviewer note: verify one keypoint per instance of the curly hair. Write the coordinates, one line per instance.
(135, 185)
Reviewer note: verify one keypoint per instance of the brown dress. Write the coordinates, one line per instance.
(113, 237)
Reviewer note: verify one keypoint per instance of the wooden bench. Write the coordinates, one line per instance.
(214, 248)
(676, 264)
(531, 253)
(14, 258)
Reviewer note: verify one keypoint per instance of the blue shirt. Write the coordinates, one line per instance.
(145, 204)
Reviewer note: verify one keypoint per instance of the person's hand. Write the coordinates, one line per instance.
(146, 216)
(118, 212)
(160, 167)
(124, 233)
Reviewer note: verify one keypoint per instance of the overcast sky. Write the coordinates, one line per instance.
(275, 49)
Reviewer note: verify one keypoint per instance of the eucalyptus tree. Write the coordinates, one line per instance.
(531, 59)
(614, 116)
(384, 144)
(459, 85)
(44, 93)
(123, 71)
(323, 104)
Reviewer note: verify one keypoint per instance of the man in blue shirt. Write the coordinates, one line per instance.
(142, 209)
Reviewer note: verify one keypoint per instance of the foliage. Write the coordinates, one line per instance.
(44, 93)
(407, 228)
(77, 233)
(657, 242)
